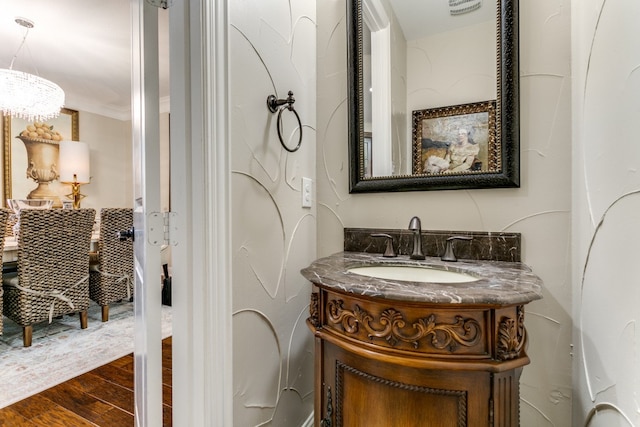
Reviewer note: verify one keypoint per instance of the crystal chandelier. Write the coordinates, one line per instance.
(25, 95)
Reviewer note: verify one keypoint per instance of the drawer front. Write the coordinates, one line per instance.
(443, 332)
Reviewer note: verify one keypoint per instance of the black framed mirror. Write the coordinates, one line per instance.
(434, 124)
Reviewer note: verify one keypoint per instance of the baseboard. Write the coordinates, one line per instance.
(309, 421)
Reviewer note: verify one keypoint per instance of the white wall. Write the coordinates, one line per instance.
(469, 74)
(540, 209)
(111, 156)
(272, 51)
(606, 211)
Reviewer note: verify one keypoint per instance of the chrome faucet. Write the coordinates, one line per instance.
(416, 227)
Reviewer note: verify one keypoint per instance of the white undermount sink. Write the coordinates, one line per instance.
(412, 274)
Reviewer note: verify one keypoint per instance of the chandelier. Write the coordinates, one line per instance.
(25, 95)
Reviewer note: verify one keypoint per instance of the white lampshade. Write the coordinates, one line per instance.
(74, 159)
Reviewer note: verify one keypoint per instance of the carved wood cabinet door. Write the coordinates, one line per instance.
(375, 394)
(385, 363)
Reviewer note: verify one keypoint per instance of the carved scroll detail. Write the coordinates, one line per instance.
(466, 332)
(314, 317)
(326, 421)
(511, 336)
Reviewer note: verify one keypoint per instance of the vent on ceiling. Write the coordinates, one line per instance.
(459, 7)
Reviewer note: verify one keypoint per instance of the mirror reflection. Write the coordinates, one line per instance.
(422, 72)
(418, 55)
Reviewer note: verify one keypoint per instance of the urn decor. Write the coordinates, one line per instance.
(42, 167)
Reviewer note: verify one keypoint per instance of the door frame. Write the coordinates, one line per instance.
(200, 196)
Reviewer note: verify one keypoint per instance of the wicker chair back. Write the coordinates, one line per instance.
(112, 278)
(52, 267)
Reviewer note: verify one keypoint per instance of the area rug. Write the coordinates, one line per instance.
(61, 350)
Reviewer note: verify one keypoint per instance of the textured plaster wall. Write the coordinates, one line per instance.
(606, 99)
(272, 51)
(540, 209)
(450, 68)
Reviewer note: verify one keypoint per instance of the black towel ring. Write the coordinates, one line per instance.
(273, 103)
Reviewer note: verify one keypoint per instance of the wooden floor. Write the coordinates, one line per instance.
(102, 397)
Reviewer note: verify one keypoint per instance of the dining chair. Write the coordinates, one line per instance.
(52, 277)
(4, 219)
(12, 228)
(112, 269)
(12, 220)
(18, 205)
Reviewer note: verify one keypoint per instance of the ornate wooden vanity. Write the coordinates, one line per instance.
(418, 354)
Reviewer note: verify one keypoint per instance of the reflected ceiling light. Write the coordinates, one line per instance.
(459, 7)
(25, 95)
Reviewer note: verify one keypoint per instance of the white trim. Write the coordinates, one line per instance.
(374, 14)
(381, 153)
(376, 19)
(99, 109)
(146, 161)
(200, 195)
(309, 421)
(110, 111)
(220, 349)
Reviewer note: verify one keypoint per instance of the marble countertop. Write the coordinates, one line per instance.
(499, 282)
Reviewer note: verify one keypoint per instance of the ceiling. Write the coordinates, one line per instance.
(85, 45)
(420, 18)
(82, 45)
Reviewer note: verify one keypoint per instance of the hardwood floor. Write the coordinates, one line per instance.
(102, 397)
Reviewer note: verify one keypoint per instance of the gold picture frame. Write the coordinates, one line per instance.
(456, 140)
(15, 181)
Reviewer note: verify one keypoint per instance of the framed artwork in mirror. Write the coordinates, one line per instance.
(457, 140)
(30, 154)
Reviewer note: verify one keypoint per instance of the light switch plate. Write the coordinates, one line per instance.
(307, 192)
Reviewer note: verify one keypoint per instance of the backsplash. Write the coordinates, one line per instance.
(486, 246)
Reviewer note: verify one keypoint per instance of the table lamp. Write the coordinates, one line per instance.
(74, 168)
